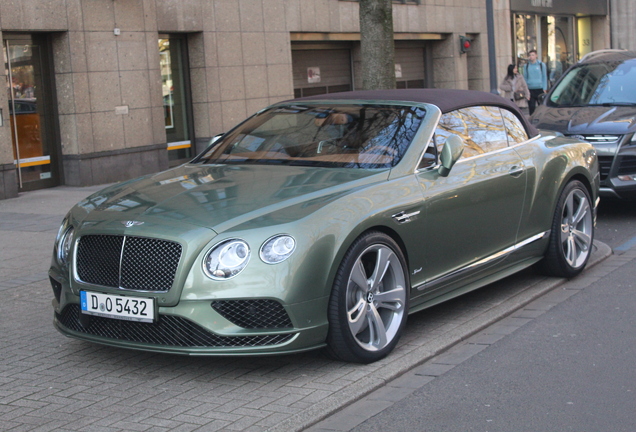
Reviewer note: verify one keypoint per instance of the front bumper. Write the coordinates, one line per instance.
(627, 192)
(193, 328)
(616, 188)
(618, 172)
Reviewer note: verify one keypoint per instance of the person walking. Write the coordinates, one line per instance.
(536, 76)
(514, 88)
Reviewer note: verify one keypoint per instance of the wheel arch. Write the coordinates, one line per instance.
(395, 236)
(345, 339)
(580, 175)
(572, 175)
(356, 234)
(556, 262)
(583, 179)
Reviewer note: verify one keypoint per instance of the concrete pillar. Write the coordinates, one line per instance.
(623, 24)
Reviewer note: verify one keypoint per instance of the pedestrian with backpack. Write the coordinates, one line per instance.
(536, 76)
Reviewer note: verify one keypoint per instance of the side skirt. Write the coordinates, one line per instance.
(475, 285)
(442, 287)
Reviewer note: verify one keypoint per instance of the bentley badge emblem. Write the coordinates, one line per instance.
(128, 224)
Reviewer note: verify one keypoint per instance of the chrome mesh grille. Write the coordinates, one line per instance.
(149, 264)
(253, 314)
(98, 259)
(135, 263)
(169, 331)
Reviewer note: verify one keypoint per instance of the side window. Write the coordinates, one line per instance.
(430, 156)
(481, 128)
(485, 129)
(516, 132)
(449, 124)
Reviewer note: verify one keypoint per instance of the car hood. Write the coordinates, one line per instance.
(222, 196)
(586, 120)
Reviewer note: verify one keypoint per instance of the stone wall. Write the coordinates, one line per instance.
(623, 18)
(108, 86)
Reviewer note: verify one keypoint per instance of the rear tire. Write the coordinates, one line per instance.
(369, 300)
(572, 233)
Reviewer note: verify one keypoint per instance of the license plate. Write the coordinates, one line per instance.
(118, 307)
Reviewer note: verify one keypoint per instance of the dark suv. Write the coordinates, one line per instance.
(595, 100)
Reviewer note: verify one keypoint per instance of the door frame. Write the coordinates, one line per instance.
(51, 116)
(182, 39)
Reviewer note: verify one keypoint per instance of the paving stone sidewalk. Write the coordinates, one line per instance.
(51, 383)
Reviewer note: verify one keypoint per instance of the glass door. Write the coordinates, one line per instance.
(30, 119)
(584, 36)
(175, 88)
(551, 36)
(557, 45)
(525, 37)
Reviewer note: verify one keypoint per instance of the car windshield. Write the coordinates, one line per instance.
(350, 136)
(611, 83)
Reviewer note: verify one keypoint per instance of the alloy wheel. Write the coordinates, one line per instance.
(576, 228)
(376, 297)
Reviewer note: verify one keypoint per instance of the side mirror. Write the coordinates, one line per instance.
(541, 98)
(451, 152)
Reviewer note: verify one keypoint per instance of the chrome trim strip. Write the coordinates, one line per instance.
(602, 139)
(121, 259)
(462, 159)
(73, 266)
(529, 140)
(486, 260)
(402, 217)
(437, 115)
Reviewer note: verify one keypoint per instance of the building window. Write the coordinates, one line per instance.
(175, 91)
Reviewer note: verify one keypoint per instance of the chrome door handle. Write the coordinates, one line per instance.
(516, 171)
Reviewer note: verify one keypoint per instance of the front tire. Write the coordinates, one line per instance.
(572, 233)
(369, 300)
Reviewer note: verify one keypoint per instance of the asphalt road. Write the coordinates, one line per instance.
(616, 224)
(565, 363)
(571, 369)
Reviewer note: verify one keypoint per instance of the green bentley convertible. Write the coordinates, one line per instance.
(324, 222)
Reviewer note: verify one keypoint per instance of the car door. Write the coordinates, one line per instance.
(473, 214)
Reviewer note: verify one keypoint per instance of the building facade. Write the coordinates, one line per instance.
(561, 31)
(106, 90)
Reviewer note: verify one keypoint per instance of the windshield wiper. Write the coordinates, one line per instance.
(568, 105)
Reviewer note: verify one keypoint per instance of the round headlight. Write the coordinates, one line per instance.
(64, 246)
(226, 259)
(277, 249)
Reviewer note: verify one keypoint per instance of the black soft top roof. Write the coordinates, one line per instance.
(445, 99)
